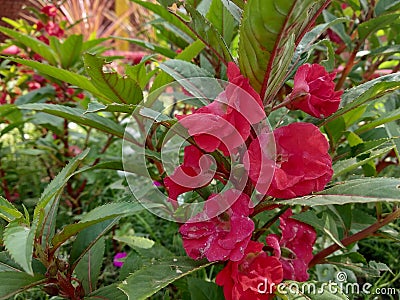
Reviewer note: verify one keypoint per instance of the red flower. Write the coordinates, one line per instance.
(302, 163)
(49, 10)
(53, 29)
(251, 278)
(297, 241)
(259, 161)
(193, 173)
(225, 123)
(222, 230)
(314, 91)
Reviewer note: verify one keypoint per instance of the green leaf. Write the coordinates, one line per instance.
(88, 268)
(111, 84)
(7, 211)
(135, 241)
(36, 95)
(384, 6)
(63, 75)
(37, 46)
(269, 33)
(370, 26)
(197, 81)
(12, 283)
(385, 118)
(18, 240)
(79, 116)
(347, 165)
(353, 191)
(204, 290)
(365, 92)
(310, 290)
(223, 20)
(111, 292)
(69, 52)
(208, 34)
(158, 275)
(187, 54)
(95, 216)
(166, 15)
(45, 212)
(355, 262)
(167, 52)
(94, 107)
(7, 264)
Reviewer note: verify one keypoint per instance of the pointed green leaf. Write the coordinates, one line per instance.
(7, 211)
(367, 28)
(208, 34)
(115, 87)
(12, 283)
(135, 241)
(69, 51)
(158, 275)
(385, 118)
(37, 46)
(18, 240)
(88, 268)
(79, 116)
(110, 292)
(63, 75)
(7, 264)
(204, 290)
(353, 191)
(269, 33)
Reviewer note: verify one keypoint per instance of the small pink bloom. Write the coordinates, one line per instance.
(314, 91)
(222, 231)
(302, 162)
(254, 277)
(32, 85)
(12, 50)
(49, 10)
(294, 247)
(119, 259)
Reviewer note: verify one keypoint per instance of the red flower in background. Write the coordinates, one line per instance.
(303, 164)
(222, 230)
(225, 123)
(49, 10)
(294, 247)
(314, 91)
(251, 278)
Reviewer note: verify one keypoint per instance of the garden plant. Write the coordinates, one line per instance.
(250, 150)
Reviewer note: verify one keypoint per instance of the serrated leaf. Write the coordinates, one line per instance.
(111, 84)
(135, 241)
(12, 283)
(88, 268)
(197, 81)
(63, 75)
(7, 211)
(44, 216)
(37, 46)
(110, 292)
(370, 26)
(158, 275)
(78, 116)
(365, 92)
(95, 216)
(353, 191)
(207, 33)
(347, 165)
(187, 54)
(269, 33)
(18, 240)
(7, 264)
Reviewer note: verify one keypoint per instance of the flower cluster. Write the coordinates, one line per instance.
(287, 162)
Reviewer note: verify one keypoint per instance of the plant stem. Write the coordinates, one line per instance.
(320, 257)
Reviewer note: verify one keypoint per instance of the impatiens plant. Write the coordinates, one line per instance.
(266, 131)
